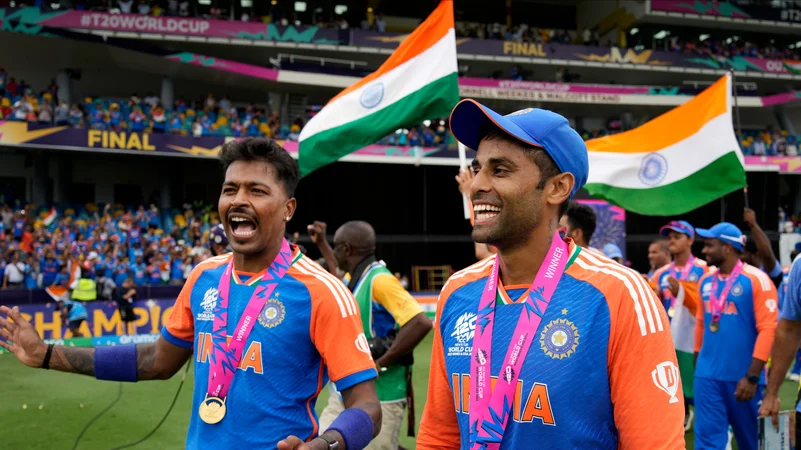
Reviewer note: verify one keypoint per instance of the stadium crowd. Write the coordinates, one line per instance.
(39, 246)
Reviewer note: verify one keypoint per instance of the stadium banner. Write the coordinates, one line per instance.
(776, 11)
(104, 320)
(31, 20)
(67, 138)
(25, 18)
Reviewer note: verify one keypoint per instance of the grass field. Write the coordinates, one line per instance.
(47, 410)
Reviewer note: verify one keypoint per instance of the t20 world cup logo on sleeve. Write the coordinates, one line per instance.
(666, 378)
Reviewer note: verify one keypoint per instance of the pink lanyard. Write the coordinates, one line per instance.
(717, 303)
(489, 412)
(225, 357)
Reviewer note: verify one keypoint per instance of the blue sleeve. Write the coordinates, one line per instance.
(792, 298)
(777, 270)
(176, 341)
(356, 378)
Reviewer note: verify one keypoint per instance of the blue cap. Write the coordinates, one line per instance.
(532, 126)
(612, 251)
(217, 236)
(726, 232)
(679, 226)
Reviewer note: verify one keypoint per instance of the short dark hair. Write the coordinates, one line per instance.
(267, 150)
(661, 242)
(548, 168)
(582, 217)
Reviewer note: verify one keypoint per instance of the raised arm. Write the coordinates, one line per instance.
(317, 234)
(762, 242)
(159, 360)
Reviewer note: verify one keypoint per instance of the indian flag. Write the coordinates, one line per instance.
(417, 82)
(50, 217)
(673, 164)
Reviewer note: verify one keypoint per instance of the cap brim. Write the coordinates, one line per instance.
(664, 231)
(468, 117)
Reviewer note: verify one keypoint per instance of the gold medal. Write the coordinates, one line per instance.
(670, 312)
(714, 326)
(212, 410)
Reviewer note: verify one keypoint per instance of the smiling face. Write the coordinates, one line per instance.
(508, 198)
(254, 206)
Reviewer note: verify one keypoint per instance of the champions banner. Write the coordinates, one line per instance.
(104, 321)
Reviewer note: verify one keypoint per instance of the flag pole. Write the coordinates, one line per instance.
(739, 127)
(462, 166)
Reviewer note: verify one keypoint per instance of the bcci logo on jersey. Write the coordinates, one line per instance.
(273, 313)
(463, 332)
(208, 304)
(666, 378)
(559, 339)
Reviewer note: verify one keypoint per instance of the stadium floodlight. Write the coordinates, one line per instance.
(634, 31)
(662, 34)
(300, 6)
(703, 37)
(340, 9)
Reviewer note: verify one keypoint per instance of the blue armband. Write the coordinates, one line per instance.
(356, 428)
(116, 363)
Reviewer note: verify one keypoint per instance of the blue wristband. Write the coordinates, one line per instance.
(356, 428)
(116, 363)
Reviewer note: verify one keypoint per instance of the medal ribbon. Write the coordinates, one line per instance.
(716, 302)
(225, 357)
(489, 412)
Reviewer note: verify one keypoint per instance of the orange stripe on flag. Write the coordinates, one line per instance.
(421, 39)
(669, 128)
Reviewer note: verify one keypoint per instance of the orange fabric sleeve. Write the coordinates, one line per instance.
(644, 379)
(439, 428)
(765, 314)
(339, 340)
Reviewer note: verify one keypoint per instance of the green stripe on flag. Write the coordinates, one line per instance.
(434, 100)
(723, 176)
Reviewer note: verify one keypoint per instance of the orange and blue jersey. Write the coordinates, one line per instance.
(604, 336)
(309, 332)
(747, 326)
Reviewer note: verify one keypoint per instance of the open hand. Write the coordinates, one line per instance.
(295, 443)
(21, 338)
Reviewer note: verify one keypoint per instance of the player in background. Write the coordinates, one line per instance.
(672, 281)
(75, 314)
(734, 333)
(394, 324)
(658, 256)
(613, 252)
(579, 220)
(589, 322)
(785, 346)
(291, 327)
(758, 252)
(218, 240)
(795, 373)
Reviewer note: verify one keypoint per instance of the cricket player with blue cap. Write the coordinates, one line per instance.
(734, 333)
(587, 320)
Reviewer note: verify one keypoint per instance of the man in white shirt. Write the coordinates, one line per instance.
(14, 274)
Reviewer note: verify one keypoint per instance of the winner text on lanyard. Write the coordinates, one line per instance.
(225, 356)
(490, 411)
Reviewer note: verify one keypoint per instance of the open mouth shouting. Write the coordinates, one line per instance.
(242, 226)
(484, 212)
